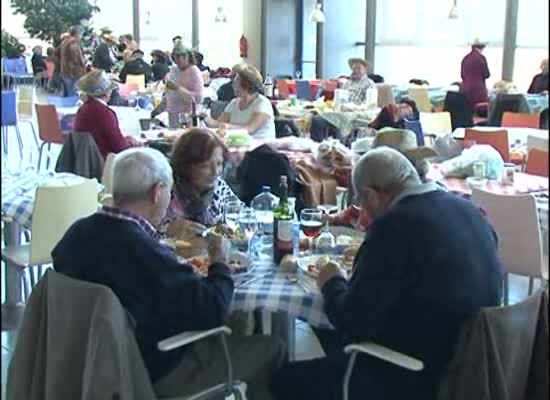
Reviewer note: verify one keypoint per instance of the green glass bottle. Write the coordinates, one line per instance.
(282, 224)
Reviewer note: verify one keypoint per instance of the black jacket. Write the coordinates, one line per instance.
(539, 83)
(102, 58)
(159, 71)
(425, 266)
(164, 296)
(38, 64)
(136, 67)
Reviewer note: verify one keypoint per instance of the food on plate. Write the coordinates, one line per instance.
(289, 264)
(184, 248)
(344, 240)
(200, 264)
(227, 232)
(313, 270)
(322, 261)
(236, 262)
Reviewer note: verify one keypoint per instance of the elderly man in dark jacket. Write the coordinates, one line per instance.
(104, 57)
(119, 247)
(428, 262)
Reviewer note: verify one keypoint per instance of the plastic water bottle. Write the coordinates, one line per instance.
(264, 204)
(268, 87)
(295, 227)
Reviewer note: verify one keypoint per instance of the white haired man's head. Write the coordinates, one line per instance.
(142, 182)
(379, 176)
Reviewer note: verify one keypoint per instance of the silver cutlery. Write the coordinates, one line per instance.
(257, 278)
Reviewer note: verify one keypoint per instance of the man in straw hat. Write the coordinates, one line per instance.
(95, 116)
(104, 56)
(357, 86)
(428, 263)
(474, 70)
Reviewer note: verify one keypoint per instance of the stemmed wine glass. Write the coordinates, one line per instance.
(326, 242)
(311, 222)
(248, 224)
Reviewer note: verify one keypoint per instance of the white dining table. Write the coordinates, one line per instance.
(128, 117)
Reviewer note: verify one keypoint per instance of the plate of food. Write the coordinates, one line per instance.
(238, 262)
(312, 264)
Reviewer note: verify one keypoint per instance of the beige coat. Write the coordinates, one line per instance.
(75, 342)
(502, 354)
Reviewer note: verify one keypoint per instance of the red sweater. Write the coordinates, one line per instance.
(102, 123)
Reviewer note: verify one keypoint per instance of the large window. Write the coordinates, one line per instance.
(160, 21)
(116, 15)
(219, 41)
(416, 39)
(532, 41)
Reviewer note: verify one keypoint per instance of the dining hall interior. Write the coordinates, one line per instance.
(275, 199)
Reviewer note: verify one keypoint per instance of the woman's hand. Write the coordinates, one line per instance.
(218, 248)
(133, 141)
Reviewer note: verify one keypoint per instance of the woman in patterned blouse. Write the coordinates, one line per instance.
(199, 191)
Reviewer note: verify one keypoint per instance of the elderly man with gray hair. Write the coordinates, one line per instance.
(428, 262)
(119, 247)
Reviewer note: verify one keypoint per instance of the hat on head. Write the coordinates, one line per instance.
(357, 60)
(250, 73)
(109, 37)
(478, 43)
(404, 141)
(106, 29)
(95, 83)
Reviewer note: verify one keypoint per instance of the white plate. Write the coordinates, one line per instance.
(303, 262)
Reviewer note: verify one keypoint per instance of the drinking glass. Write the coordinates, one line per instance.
(248, 224)
(311, 222)
(326, 242)
(184, 119)
(231, 212)
(298, 74)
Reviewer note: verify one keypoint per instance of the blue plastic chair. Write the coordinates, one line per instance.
(9, 118)
(303, 90)
(415, 126)
(17, 67)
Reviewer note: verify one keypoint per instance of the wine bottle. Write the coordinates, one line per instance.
(194, 116)
(282, 226)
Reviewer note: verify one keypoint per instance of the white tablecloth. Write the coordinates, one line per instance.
(128, 117)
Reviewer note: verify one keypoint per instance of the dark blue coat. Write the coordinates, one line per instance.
(426, 265)
(164, 296)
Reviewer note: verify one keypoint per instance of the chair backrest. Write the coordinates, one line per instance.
(537, 142)
(385, 94)
(421, 97)
(506, 102)
(56, 208)
(415, 126)
(543, 121)
(65, 318)
(461, 110)
(49, 129)
(516, 222)
(16, 66)
(537, 162)
(25, 100)
(9, 113)
(437, 123)
(520, 120)
(282, 86)
(50, 67)
(137, 79)
(303, 89)
(107, 179)
(499, 353)
(497, 138)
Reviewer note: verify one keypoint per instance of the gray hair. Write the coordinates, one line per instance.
(136, 171)
(386, 169)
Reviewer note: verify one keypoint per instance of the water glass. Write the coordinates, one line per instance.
(231, 213)
(298, 74)
(248, 223)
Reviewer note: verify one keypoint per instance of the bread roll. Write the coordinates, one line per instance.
(289, 264)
